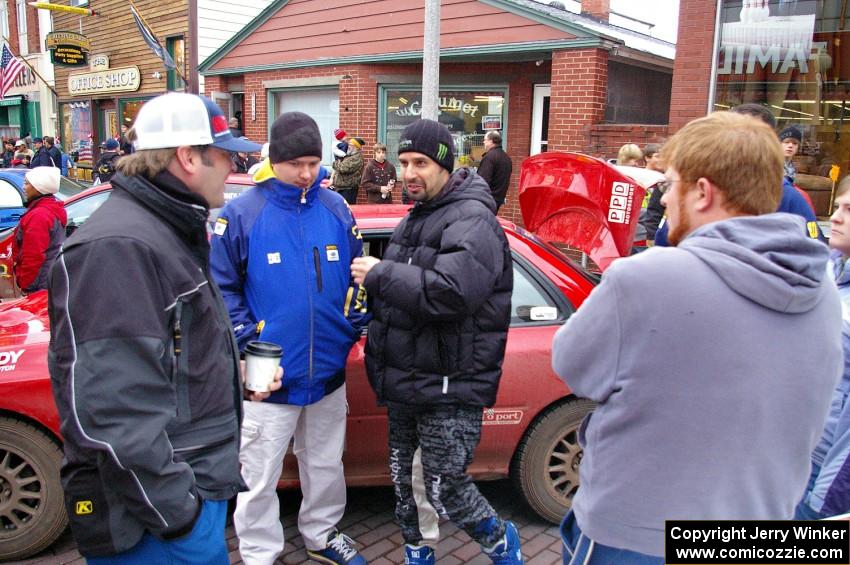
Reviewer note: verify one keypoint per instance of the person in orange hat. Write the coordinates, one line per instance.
(349, 170)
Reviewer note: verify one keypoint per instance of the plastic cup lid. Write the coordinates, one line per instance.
(263, 349)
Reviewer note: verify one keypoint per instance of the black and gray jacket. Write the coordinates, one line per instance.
(442, 297)
(144, 368)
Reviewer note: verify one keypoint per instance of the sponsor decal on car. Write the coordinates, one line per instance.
(494, 417)
(8, 359)
(620, 208)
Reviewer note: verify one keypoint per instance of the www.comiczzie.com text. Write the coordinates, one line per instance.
(757, 542)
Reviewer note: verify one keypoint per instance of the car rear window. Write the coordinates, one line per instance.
(559, 254)
(68, 188)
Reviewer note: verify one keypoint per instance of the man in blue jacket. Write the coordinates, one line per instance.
(281, 254)
(828, 491)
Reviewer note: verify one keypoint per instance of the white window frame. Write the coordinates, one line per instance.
(541, 91)
(4, 19)
(21, 12)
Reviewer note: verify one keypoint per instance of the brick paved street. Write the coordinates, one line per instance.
(369, 520)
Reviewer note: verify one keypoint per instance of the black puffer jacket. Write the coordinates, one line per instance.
(441, 299)
(145, 368)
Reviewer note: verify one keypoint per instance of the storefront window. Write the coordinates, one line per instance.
(130, 109)
(177, 49)
(322, 104)
(793, 57)
(76, 130)
(468, 114)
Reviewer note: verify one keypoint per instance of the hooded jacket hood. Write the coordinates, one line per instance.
(766, 259)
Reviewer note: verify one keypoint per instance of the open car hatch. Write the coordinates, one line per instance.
(582, 202)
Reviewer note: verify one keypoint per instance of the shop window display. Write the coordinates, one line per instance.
(467, 114)
(77, 132)
(129, 111)
(792, 56)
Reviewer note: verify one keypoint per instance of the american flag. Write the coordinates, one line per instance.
(10, 68)
(85, 149)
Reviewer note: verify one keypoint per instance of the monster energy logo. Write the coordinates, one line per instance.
(442, 150)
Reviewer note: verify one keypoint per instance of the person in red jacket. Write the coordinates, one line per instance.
(41, 231)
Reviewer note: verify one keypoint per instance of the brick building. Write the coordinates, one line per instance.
(547, 78)
(786, 56)
(28, 106)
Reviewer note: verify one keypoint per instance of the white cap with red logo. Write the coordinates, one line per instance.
(177, 119)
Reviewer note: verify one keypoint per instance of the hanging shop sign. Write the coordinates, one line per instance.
(119, 79)
(68, 48)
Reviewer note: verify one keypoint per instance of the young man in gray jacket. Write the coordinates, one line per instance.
(713, 393)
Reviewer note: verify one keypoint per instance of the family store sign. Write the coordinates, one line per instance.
(119, 79)
(67, 48)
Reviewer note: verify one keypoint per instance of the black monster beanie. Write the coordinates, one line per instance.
(294, 134)
(429, 138)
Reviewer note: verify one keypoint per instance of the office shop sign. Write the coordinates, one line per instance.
(104, 81)
(67, 48)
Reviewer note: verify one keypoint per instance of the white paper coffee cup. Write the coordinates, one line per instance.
(261, 362)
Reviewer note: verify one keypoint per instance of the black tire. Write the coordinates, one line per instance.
(32, 506)
(545, 466)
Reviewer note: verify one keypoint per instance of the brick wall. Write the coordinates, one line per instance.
(692, 67)
(12, 18)
(579, 82)
(33, 43)
(33, 33)
(596, 8)
(358, 102)
(606, 139)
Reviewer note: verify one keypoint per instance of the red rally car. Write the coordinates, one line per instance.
(530, 434)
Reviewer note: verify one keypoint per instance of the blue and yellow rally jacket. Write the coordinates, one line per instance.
(282, 258)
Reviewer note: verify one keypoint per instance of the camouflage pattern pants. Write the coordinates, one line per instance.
(447, 436)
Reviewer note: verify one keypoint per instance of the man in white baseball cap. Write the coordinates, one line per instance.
(21, 147)
(144, 365)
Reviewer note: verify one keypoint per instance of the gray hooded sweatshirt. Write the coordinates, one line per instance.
(713, 391)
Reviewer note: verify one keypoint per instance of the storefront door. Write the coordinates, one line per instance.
(540, 118)
(110, 124)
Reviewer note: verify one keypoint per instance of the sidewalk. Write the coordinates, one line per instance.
(369, 520)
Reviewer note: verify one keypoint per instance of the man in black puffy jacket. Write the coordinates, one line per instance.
(441, 299)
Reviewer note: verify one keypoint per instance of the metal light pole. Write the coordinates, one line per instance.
(431, 60)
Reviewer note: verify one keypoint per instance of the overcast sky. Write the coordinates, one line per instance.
(663, 13)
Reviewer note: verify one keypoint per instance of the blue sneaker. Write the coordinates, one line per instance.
(340, 551)
(507, 551)
(418, 555)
